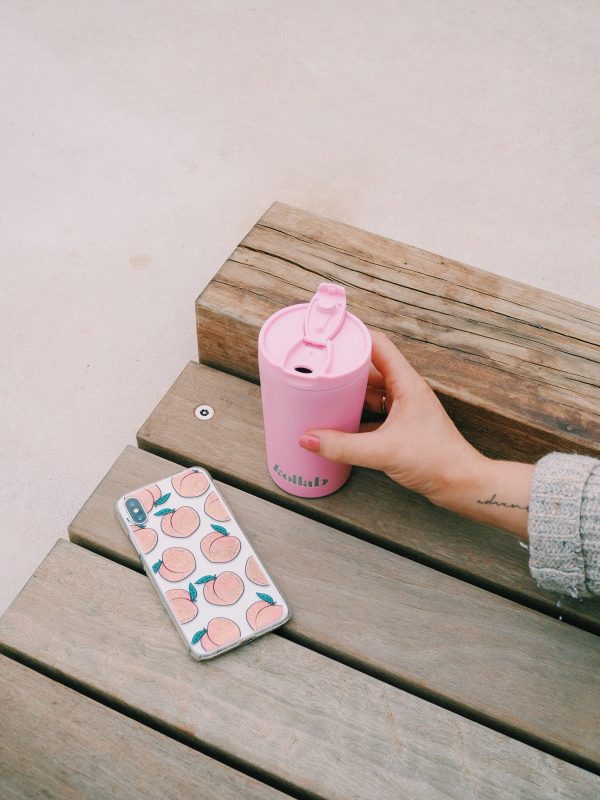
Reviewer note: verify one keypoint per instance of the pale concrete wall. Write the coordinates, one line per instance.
(142, 139)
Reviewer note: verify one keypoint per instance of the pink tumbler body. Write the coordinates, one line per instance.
(314, 363)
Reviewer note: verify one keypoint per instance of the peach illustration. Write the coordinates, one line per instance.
(145, 537)
(215, 508)
(176, 564)
(175, 594)
(180, 601)
(222, 590)
(254, 573)
(190, 483)
(219, 545)
(147, 497)
(182, 522)
(219, 632)
(264, 612)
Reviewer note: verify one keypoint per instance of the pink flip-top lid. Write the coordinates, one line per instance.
(318, 345)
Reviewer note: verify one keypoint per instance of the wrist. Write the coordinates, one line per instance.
(490, 491)
(465, 473)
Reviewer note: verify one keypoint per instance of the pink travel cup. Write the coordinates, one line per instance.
(313, 360)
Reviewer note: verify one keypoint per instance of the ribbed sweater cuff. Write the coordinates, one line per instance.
(590, 530)
(556, 558)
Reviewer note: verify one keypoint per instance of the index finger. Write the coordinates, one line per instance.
(389, 361)
(376, 379)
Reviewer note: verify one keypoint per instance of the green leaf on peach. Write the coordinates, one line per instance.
(205, 579)
(198, 635)
(220, 529)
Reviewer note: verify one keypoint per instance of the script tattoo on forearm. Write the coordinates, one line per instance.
(493, 502)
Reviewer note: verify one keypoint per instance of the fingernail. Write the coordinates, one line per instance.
(310, 442)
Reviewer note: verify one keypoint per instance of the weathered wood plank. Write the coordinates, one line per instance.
(310, 723)
(339, 586)
(57, 743)
(231, 445)
(517, 367)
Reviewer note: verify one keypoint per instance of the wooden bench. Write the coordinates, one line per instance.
(421, 660)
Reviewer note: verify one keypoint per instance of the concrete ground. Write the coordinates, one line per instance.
(142, 139)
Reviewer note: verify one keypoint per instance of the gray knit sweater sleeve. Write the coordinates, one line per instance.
(564, 524)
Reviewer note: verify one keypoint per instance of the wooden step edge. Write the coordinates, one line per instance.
(497, 431)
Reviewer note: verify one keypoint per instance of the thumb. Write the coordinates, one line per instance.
(360, 449)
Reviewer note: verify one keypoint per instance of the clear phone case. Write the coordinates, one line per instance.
(213, 584)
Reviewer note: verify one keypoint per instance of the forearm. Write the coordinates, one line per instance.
(493, 492)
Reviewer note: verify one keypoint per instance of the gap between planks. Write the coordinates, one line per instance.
(116, 602)
(404, 523)
(94, 527)
(59, 742)
(134, 713)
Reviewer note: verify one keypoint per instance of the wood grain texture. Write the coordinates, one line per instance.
(517, 368)
(401, 621)
(371, 506)
(57, 743)
(310, 723)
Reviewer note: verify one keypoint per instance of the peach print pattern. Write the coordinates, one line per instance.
(188, 535)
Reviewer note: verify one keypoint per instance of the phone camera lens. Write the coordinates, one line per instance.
(137, 512)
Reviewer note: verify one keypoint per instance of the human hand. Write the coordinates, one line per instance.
(416, 444)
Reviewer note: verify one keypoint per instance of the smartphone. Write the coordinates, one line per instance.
(209, 577)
